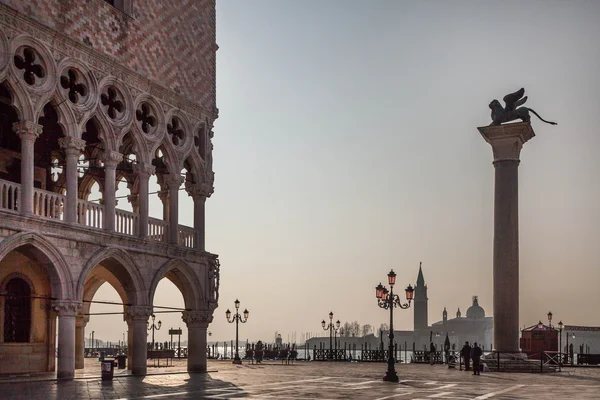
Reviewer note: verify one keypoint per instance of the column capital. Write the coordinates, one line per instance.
(27, 130)
(111, 158)
(67, 308)
(138, 313)
(71, 145)
(142, 168)
(173, 182)
(197, 318)
(82, 320)
(200, 191)
(507, 140)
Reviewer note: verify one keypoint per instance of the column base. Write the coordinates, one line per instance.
(139, 371)
(65, 375)
(391, 376)
(238, 361)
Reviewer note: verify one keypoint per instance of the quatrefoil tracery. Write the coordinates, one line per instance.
(175, 131)
(145, 116)
(75, 89)
(110, 100)
(29, 65)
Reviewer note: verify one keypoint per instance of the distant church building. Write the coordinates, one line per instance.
(475, 327)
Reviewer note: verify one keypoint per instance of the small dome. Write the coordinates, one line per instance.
(475, 311)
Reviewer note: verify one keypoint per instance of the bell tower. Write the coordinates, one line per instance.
(420, 300)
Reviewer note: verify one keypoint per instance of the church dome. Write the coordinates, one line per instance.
(475, 311)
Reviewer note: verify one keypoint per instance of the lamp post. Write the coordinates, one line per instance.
(153, 328)
(388, 300)
(331, 328)
(237, 318)
(560, 328)
(550, 319)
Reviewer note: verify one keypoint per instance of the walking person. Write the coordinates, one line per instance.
(431, 353)
(476, 353)
(465, 352)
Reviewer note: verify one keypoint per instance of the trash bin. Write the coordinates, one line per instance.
(108, 369)
(122, 361)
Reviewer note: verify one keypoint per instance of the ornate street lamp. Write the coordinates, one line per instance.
(550, 319)
(153, 328)
(237, 318)
(389, 300)
(331, 328)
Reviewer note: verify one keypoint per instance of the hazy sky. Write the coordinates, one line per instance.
(347, 145)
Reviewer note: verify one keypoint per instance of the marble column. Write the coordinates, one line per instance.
(174, 183)
(143, 171)
(110, 159)
(137, 319)
(80, 323)
(66, 311)
(507, 142)
(73, 148)
(199, 194)
(28, 132)
(197, 323)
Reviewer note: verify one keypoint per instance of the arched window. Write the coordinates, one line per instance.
(17, 311)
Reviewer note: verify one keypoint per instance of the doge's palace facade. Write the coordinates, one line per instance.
(97, 92)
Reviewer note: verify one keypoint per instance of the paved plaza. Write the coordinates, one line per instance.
(312, 381)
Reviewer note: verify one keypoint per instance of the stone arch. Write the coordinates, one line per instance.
(40, 248)
(66, 117)
(173, 163)
(122, 266)
(196, 168)
(186, 280)
(19, 99)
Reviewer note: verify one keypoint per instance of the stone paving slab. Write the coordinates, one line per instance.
(311, 380)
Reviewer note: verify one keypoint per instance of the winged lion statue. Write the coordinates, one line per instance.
(512, 111)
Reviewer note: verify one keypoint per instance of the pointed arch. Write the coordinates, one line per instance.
(20, 99)
(122, 266)
(61, 280)
(66, 117)
(185, 278)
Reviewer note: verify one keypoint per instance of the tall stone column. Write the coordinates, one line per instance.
(110, 159)
(66, 311)
(199, 194)
(73, 148)
(137, 319)
(174, 183)
(197, 323)
(80, 323)
(28, 132)
(143, 171)
(507, 142)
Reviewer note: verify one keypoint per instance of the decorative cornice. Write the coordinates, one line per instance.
(507, 140)
(199, 319)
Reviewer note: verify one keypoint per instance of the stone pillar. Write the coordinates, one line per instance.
(80, 323)
(197, 323)
(66, 310)
(110, 159)
(199, 194)
(137, 319)
(174, 183)
(28, 132)
(143, 171)
(506, 141)
(73, 148)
